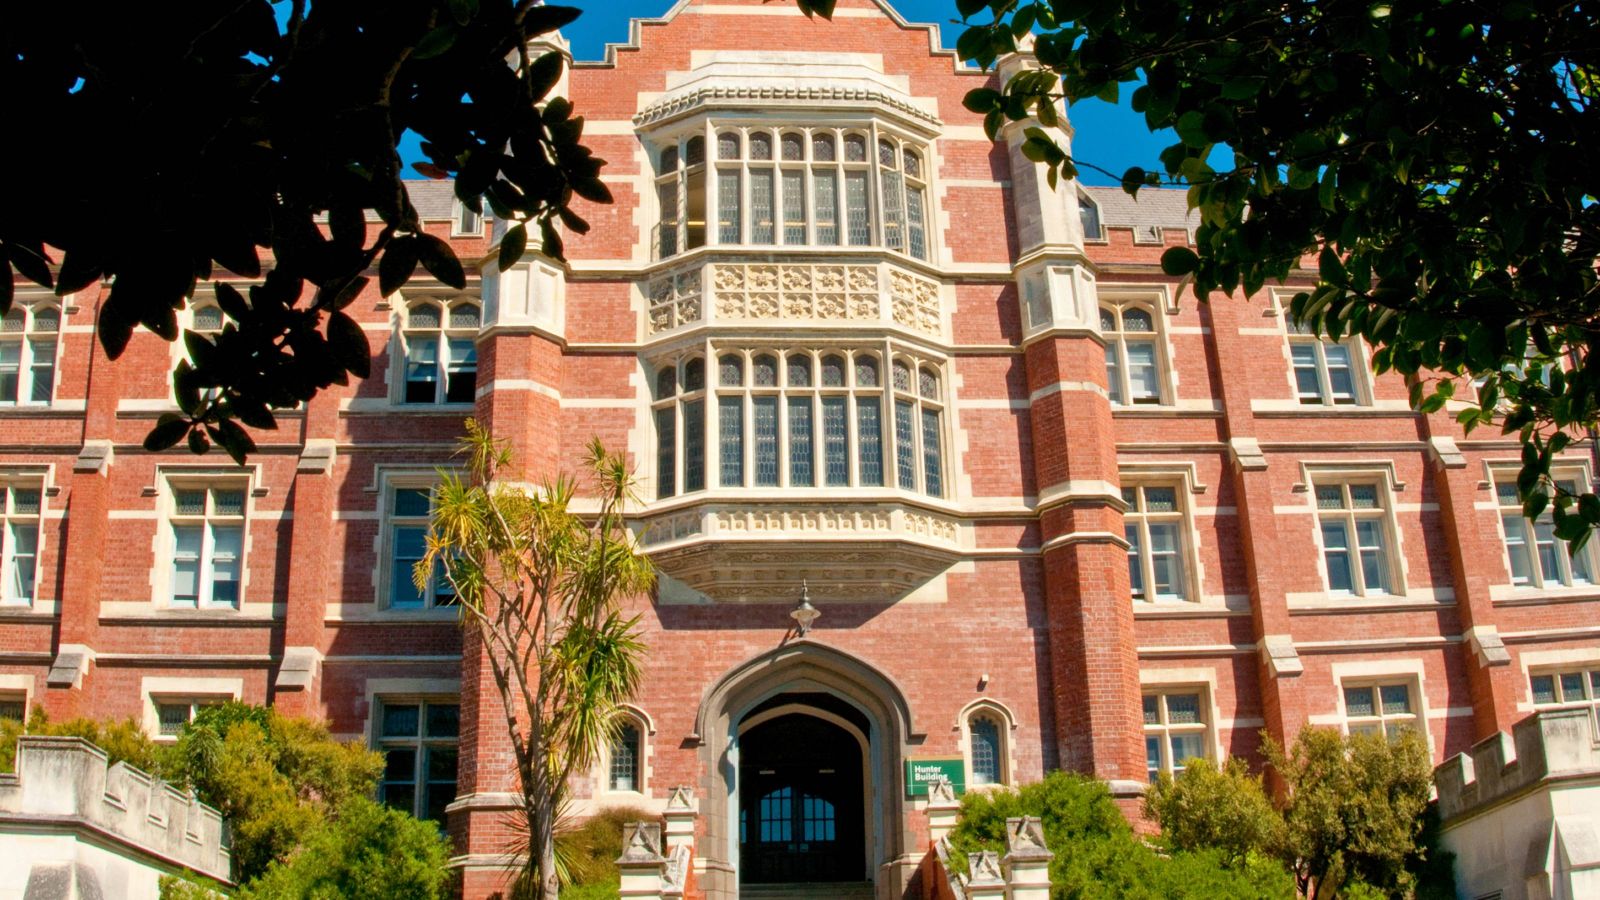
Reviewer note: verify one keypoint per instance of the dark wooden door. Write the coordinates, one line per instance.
(800, 802)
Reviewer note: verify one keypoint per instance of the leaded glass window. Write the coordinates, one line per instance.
(985, 734)
(799, 418)
(622, 770)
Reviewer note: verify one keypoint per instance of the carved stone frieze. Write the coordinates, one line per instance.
(760, 552)
(674, 300)
(793, 292)
(797, 292)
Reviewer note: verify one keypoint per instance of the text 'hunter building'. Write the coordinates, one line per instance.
(1052, 513)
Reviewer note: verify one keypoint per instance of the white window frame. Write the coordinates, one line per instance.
(1119, 382)
(685, 180)
(29, 336)
(17, 689)
(390, 520)
(12, 521)
(461, 214)
(171, 519)
(924, 399)
(421, 741)
(1163, 728)
(159, 691)
(1588, 698)
(1360, 386)
(1137, 517)
(1348, 516)
(1504, 485)
(1381, 720)
(443, 358)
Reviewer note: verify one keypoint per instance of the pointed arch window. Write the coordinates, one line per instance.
(1133, 353)
(622, 766)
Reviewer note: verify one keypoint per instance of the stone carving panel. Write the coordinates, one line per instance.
(796, 292)
(674, 300)
(915, 302)
(670, 528)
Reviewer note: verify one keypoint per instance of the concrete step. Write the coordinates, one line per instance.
(830, 890)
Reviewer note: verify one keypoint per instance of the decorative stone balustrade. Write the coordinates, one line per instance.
(796, 292)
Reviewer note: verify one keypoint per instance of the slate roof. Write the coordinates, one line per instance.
(1154, 209)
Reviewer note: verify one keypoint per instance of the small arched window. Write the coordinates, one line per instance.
(794, 146)
(799, 370)
(760, 146)
(730, 370)
(624, 759)
(855, 148)
(207, 319)
(822, 147)
(728, 145)
(764, 371)
(694, 152)
(984, 732)
(666, 382)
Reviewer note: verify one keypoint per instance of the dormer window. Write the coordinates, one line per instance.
(793, 187)
(1089, 217)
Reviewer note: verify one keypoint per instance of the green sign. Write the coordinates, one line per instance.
(922, 772)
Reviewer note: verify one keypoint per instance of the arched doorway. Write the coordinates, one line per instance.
(802, 791)
(814, 681)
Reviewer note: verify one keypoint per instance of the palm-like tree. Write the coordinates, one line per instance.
(539, 588)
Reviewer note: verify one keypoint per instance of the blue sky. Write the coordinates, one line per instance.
(1111, 136)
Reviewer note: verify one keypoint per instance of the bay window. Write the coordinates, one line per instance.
(799, 418)
(792, 186)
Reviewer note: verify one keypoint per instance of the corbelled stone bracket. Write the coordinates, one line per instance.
(69, 666)
(1247, 454)
(1277, 651)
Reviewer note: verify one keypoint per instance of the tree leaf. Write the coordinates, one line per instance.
(512, 246)
(398, 262)
(1177, 261)
(349, 345)
(440, 260)
(168, 431)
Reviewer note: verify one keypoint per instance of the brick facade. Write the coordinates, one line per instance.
(1025, 609)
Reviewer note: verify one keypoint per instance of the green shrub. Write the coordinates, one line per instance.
(588, 853)
(1224, 809)
(1097, 854)
(1355, 812)
(275, 778)
(370, 852)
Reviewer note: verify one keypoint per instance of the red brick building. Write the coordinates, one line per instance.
(1052, 513)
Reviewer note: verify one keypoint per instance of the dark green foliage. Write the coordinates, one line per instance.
(275, 778)
(1426, 162)
(122, 741)
(1096, 852)
(1355, 812)
(369, 852)
(157, 155)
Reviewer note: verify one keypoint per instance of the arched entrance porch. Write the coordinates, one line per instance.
(851, 714)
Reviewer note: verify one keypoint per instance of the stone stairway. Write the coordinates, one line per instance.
(837, 890)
